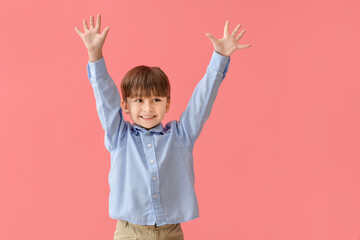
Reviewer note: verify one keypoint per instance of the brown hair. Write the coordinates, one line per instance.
(143, 81)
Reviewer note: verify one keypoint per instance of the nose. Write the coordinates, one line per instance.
(148, 106)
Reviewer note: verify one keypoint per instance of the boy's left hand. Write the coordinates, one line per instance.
(228, 44)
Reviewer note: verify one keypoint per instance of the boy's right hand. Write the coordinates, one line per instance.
(92, 38)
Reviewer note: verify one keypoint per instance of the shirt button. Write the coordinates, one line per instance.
(148, 133)
(155, 196)
(149, 145)
(154, 178)
(151, 161)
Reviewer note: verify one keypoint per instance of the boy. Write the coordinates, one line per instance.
(151, 176)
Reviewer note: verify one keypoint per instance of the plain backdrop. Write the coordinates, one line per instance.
(278, 159)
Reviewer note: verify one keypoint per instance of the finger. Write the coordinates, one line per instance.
(85, 25)
(243, 46)
(91, 22)
(78, 31)
(98, 23)
(240, 35)
(226, 29)
(233, 34)
(105, 32)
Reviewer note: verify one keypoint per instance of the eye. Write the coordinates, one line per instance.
(138, 100)
(157, 100)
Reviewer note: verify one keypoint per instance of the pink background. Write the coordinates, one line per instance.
(277, 160)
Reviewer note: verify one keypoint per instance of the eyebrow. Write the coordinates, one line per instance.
(147, 97)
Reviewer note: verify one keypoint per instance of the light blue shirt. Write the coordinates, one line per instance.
(152, 175)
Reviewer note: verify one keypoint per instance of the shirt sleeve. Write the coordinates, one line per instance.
(107, 99)
(199, 107)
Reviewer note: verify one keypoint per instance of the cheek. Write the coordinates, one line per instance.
(132, 111)
(163, 109)
(135, 112)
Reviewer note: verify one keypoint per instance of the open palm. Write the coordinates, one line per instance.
(228, 44)
(92, 38)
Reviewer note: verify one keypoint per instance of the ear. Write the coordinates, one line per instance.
(167, 106)
(124, 106)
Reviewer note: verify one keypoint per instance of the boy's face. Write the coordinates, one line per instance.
(146, 112)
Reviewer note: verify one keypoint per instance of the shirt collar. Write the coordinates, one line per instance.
(158, 129)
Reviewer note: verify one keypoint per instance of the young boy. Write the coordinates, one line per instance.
(151, 176)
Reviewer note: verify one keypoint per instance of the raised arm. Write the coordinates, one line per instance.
(106, 93)
(199, 107)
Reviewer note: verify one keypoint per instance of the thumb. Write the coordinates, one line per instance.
(211, 37)
(105, 32)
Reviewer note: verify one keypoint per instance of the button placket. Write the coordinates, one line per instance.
(149, 148)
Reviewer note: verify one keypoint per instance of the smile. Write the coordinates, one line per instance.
(147, 117)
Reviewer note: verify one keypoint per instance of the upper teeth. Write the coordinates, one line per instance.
(147, 116)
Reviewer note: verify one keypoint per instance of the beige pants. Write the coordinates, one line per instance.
(130, 231)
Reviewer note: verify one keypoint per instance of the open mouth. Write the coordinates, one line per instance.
(148, 117)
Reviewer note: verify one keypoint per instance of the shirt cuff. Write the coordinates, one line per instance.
(96, 69)
(219, 62)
